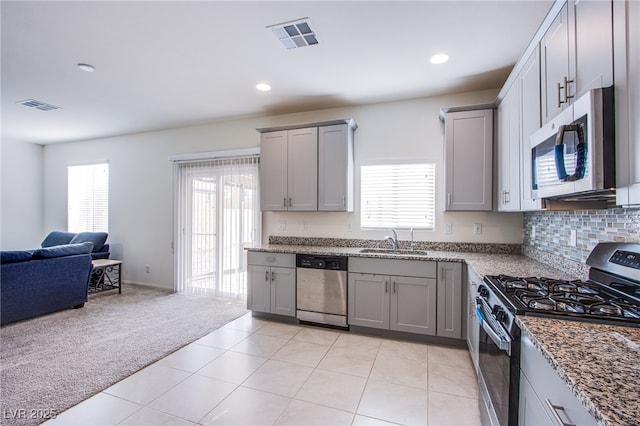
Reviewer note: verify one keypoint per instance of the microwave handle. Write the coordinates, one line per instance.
(581, 159)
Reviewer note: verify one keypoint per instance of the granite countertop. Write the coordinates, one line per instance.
(482, 263)
(600, 363)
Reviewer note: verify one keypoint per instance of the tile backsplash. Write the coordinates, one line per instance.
(552, 235)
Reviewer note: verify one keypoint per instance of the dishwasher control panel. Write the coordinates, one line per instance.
(334, 263)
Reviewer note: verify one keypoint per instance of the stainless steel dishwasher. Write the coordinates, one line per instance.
(321, 289)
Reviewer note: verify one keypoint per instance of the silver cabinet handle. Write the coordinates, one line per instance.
(266, 275)
(448, 198)
(273, 276)
(566, 89)
(284, 202)
(560, 102)
(386, 286)
(289, 201)
(554, 410)
(394, 287)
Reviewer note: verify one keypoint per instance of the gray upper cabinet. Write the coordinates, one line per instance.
(509, 151)
(307, 168)
(576, 54)
(289, 170)
(555, 63)
(528, 82)
(627, 98)
(468, 160)
(335, 168)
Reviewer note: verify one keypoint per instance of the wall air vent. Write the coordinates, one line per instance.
(42, 106)
(295, 34)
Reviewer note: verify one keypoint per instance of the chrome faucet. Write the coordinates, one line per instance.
(393, 240)
(413, 243)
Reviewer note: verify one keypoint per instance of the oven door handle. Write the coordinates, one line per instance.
(503, 345)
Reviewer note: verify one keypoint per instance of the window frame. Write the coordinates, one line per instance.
(399, 162)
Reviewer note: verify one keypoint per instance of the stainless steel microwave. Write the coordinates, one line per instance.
(573, 156)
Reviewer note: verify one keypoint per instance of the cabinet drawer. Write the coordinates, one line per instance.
(405, 268)
(548, 386)
(285, 260)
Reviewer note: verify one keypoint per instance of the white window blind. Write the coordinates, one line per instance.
(88, 198)
(398, 196)
(217, 214)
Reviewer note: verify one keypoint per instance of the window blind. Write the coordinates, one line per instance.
(88, 198)
(398, 196)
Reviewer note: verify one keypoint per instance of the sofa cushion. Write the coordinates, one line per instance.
(57, 238)
(64, 250)
(15, 256)
(97, 238)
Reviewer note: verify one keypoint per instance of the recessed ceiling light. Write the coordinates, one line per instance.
(263, 87)
(439, 58)
(86, 67)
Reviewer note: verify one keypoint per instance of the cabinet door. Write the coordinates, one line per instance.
(627, 98)
(335, 168)
(593, 45)
(529, 86)
(413, 305)
(468, 160)
(369, 300)
(283, 291)
(259, 288)
(303, 169)
(450, 299)
(531, 412)
(273, 171)
(555, 65)
(473, 326)
(509, 151)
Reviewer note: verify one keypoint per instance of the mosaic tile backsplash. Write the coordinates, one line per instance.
(553, 231)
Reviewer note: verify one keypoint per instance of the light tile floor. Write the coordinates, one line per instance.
(258, 372)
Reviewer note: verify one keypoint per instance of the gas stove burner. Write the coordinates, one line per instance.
(543, 304)
(570, 306)
(606, 309)
(582, 298)
(564, 287)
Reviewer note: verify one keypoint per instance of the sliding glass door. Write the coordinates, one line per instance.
(217, 213)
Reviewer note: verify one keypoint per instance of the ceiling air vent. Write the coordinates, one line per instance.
(294, 34)
(42, 106)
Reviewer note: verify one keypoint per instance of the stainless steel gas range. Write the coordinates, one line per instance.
(610, 295)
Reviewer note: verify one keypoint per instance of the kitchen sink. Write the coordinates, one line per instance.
(394, 251)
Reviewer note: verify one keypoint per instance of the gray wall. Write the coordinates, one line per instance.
(141, 179)
(21, 200)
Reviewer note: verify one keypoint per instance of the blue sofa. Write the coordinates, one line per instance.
(37, 282)
(99, 240)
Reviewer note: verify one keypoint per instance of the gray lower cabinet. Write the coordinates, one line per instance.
(544, 397)
(271, 283)
(450, 300)
(378, 299)
(473, 326)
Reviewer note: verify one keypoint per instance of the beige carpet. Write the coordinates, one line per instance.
(56, 361)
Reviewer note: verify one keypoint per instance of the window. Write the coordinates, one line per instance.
(217, 213)
(88, 198)
(398, 196)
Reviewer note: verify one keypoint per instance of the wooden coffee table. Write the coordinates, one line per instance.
(106, 275)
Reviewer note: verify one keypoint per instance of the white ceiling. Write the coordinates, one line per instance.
(162, 64)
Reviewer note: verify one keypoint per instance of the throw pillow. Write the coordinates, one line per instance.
(15, 256)
(65, 250)
(97, 238)
(57, 238)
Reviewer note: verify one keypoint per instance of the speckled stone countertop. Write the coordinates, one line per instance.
(482, 263)
(600, 363)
